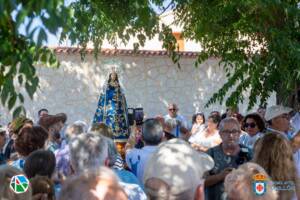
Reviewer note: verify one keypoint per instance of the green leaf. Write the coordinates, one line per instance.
(12, 101)
(20, 79)
(21, 98)
(4, 94)
(42, 37)
(17, 111)
(30, 89)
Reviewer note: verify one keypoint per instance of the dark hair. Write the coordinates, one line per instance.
(152, 132)
(40, 162)
(215, 118)
(41, 110)
(29, 139)
(258, 120)
(195, 117)
(109, 78)
(215, 113)
(239, 117)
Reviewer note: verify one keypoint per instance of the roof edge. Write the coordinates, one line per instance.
(121, 52)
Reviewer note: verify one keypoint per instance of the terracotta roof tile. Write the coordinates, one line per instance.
(124, 52)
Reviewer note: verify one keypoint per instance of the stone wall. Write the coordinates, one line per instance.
(149, 82)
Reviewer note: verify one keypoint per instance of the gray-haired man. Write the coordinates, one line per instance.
(152, 135)
(228, 155)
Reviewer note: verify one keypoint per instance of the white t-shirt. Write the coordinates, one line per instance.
(176, 130)
(137, 159)
(249, 141)
(207, 142)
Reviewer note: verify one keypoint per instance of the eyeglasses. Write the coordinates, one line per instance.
(172, 109)
(250, 125)
(229, 132)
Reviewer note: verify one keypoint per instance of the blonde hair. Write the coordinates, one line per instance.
(6, 174)
(275, 154)
(239, 183)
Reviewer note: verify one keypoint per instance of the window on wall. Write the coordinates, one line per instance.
(180, 41)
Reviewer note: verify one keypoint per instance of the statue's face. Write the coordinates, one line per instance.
(113, 76)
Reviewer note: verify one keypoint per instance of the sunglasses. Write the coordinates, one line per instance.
(250, 125)
(172, 109)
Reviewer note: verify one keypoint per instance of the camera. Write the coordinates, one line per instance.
(137, 115)
(243, 157)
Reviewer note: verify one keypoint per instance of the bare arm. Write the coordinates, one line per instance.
(131, 142)
(214, 179)
(198, 147)
(194, 129)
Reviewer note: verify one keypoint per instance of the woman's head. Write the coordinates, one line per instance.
(40, 162)
(253, 124)
(113, 77)
(274, 153)
(29, 139)
(198, 118)
(213, 121)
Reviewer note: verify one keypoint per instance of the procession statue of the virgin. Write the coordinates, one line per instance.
(112, 109)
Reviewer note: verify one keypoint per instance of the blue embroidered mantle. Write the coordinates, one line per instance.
(112, 110)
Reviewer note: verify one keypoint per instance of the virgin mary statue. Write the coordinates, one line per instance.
(112, 109)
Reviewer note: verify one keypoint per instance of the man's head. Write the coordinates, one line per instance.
(87, 151)
(152, 132)
(53, 123)
(230, 130)
(93, 185)
(239, 183)
(43, 112)
(172, 110)
(278, 117)
(177, 170)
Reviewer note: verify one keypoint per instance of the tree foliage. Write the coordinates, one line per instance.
(257, 41)
(20, 52)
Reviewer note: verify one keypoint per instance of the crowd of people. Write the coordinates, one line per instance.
(215, 157)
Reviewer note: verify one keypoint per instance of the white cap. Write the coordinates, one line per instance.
(179, 165)
(275, 111)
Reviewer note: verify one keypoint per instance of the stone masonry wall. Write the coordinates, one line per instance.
(149, 82)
